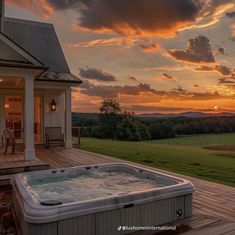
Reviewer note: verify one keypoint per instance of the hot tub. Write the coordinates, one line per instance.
(97, 199)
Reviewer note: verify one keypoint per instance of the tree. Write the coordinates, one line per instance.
(115, 124)
(109, 118)
(110, 107)
(130, 128)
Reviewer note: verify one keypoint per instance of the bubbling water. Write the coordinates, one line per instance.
(91, 185)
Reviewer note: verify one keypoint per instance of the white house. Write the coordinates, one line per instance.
(33, 75)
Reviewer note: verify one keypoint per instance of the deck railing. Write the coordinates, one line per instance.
(76, 132)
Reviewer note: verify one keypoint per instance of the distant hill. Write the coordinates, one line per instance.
(94, 116)
(85, 115)
(185, 114)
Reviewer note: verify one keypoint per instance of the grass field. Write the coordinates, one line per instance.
(210, 157)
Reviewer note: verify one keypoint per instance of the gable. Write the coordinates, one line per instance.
(35, 42)
(11, 52)
(40, 40)
(8, 54)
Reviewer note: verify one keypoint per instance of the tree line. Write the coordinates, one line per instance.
(112, 123)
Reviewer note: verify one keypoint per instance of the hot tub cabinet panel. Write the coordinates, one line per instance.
(163, 205)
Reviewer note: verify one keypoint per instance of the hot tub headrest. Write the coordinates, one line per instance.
(50, 203)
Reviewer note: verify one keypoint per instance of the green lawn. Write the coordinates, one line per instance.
(186, 155)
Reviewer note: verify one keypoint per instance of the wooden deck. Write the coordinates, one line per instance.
(12, 164)
(213, 204)
(17, 160)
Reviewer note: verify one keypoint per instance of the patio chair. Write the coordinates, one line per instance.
(54, 135)
(9, 140)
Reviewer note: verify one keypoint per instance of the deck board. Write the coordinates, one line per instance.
(213, 204)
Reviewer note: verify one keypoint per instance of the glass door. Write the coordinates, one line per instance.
(14, 115)
(14, 118)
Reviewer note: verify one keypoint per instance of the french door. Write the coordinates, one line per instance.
(14, 117)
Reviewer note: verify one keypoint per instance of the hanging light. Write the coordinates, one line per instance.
(53, 105)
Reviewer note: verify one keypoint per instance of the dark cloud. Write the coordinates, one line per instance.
(133, 78)
(198, 51)
(179, 89)
(221, 50)
(150, 47)
(114, 92)
(133, 17)
(97, 74)
(228, 79)
(195, 85)
(230, 14)
(225, 80)
(167, 76)
(140, 17)
(66, 4)
(223, 70)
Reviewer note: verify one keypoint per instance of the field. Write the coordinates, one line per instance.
(210, 157)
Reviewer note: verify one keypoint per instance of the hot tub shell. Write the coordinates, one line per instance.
(102, 216)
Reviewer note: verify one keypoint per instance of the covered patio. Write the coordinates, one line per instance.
(25, 108)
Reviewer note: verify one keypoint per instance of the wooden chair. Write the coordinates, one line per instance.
(9, 140)
(54, 135)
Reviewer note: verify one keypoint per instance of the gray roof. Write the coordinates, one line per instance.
(39, 40)
(59, 77)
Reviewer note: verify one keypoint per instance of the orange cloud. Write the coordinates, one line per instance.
(41, 8)
(233, 32)
(128, 31)
(116, 41)
(212, 12)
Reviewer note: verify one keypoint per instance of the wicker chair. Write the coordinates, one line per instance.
(9, 140)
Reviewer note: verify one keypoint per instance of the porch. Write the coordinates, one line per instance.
(33, 70)
(213, 204)
(26, 109)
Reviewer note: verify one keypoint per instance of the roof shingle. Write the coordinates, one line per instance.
(40, 40)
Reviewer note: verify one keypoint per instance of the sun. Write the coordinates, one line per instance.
(216, 108)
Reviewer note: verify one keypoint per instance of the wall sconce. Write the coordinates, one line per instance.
(53, 105)
(7, 106)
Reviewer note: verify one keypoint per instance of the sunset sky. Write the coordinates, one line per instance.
(165, 56)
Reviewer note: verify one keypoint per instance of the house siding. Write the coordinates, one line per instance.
(56, 118)
(49, 118)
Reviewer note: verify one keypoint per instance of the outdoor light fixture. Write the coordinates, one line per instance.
(53, 105)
